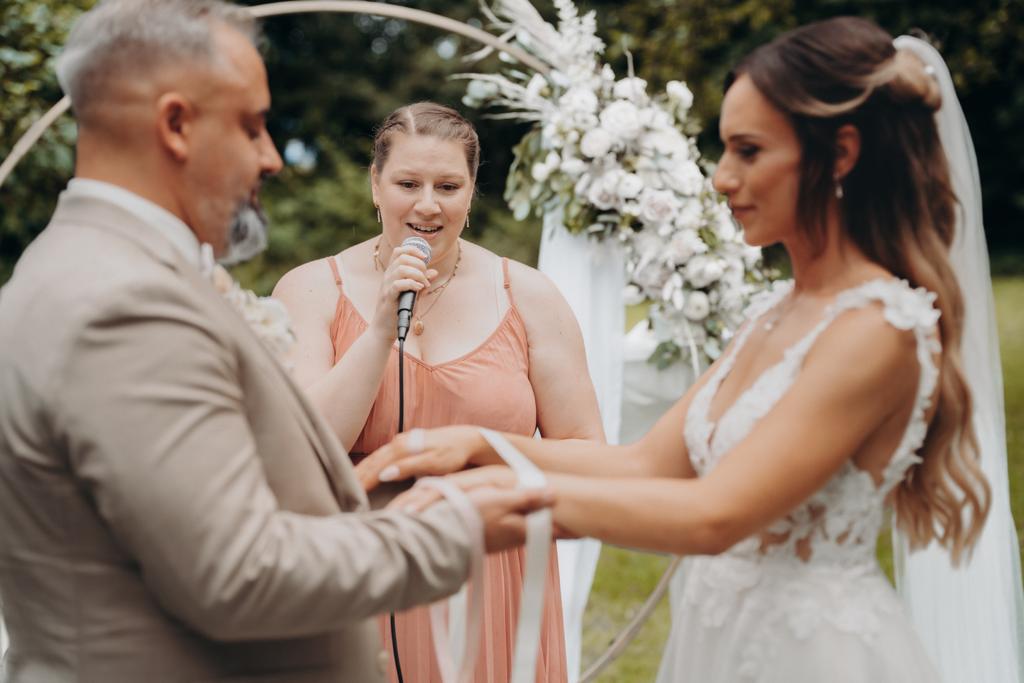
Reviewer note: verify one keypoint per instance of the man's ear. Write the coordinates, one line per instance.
(847, 151)
(175, 124)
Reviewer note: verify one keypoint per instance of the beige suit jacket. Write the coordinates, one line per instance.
(171, 507)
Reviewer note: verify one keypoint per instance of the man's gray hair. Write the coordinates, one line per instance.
(120, 39)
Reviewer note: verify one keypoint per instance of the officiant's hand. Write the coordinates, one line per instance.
(406, 272)
(425, 452)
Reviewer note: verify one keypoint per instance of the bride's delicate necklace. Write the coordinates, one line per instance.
(418, 326)
(777, 314)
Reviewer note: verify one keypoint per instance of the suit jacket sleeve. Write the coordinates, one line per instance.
(150, 412)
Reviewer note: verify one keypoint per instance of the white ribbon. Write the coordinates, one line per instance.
(458, 651)
(468, 641)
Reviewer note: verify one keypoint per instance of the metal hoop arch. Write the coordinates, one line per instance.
(273, 9)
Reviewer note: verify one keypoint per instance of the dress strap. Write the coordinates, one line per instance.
(507, 282)
(332, 261)
(905, 308)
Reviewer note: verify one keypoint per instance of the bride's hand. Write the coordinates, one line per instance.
(421, 452)
(406, 272)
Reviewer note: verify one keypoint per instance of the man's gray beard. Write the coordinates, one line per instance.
(248, 235)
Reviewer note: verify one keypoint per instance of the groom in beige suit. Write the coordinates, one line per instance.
(171, 508)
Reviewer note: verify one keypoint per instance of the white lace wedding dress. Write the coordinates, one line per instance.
(764, 615)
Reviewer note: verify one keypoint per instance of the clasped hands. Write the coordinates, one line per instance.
(464, 458)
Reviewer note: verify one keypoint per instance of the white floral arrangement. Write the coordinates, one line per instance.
(267, 317)
(620, 164)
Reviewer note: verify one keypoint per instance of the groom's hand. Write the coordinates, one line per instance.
(504, 512)
(492, 490)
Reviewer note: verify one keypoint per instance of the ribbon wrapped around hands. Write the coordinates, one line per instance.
(456, 648)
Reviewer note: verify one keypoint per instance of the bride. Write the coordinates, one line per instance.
(843, 393)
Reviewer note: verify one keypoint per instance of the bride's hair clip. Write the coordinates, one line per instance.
(909, 79)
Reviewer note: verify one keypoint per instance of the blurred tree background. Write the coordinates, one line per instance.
(333, 77)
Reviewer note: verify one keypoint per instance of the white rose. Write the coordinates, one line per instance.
(683, 245)
(550, 137)
(603, 195)
(665, 142)
(596, 142)
(631, 89)
(701, 271)
(658, 206)
(573, 167)
(680, 94)
(690, 217)
(542, 170)
(578, 99)
(630, 186)
(697, 306)
(653, 276)
(622, 119)
(685, 178)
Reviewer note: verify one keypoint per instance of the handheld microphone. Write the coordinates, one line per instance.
(407, 299)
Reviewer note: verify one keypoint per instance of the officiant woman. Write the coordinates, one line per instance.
(492, 343)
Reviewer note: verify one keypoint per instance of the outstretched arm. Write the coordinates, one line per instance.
(183, 487)
(835, 411)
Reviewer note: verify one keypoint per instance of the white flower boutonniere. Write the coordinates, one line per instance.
(267, 317)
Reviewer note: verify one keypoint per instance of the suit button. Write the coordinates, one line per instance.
(383, 661)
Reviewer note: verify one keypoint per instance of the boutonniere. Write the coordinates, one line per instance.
(267, 317)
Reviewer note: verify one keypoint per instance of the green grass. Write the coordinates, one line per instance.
(625, 578)
(1010, 314)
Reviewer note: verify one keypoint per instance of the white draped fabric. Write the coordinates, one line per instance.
(591, 276)
(647, 394)
(971, 618)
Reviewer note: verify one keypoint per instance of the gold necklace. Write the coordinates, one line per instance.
(418, 326)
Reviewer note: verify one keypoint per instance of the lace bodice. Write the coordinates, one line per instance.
(838, 525)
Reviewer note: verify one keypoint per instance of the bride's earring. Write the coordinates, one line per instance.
(839, 187)
(378, 214)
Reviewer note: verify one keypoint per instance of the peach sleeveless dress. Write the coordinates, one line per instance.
(488, 386)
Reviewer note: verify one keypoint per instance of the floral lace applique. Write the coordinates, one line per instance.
(817, 565)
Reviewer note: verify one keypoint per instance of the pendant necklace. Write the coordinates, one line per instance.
(418, 325)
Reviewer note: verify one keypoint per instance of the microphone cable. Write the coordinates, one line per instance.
(401, 428)
(403, 329)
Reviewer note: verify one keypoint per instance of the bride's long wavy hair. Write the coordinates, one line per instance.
(900, 210)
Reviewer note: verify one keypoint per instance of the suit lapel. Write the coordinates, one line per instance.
(332, 457)
(114, 220)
